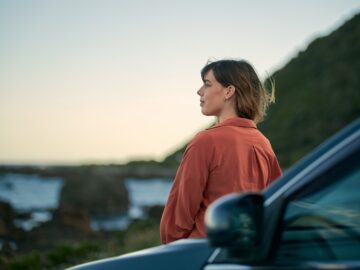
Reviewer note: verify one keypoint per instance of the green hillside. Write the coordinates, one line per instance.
(317, 93)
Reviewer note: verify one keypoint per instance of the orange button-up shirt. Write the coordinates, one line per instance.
(233, 156)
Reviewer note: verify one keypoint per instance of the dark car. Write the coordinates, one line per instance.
(308, 219)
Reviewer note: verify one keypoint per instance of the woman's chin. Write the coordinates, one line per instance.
(206, 113)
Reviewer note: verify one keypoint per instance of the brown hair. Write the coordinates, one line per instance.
(252, 98)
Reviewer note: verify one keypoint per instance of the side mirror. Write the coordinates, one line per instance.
(235, 221)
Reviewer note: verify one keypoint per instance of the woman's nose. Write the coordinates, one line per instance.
(199, 91)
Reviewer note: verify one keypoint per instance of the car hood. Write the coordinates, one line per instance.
(181, 254)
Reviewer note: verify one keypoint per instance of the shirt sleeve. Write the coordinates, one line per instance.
(275, 171)
(186, 194)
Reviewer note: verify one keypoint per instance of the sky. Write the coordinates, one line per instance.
(105, 81)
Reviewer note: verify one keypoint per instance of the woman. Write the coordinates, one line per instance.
(232, 156)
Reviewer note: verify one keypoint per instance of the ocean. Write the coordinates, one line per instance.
(38, 196)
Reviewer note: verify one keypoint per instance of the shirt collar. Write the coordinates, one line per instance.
(237, 122)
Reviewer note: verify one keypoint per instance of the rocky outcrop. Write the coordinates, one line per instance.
(95, 194)
(77, 219)
(7, 216)
(67, 225)
(155, 212)
(9, 234)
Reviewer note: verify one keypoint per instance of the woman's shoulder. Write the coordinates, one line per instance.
(204, 139)
(203, 136)
(213, 134)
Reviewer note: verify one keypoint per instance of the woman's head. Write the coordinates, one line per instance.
(249, 96)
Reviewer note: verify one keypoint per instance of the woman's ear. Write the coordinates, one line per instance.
(229, 92)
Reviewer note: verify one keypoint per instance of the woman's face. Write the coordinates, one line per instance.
(212, 96)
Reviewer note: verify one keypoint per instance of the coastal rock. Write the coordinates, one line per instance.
(155, 212)
(7, 216)
(67, 225)
(9, 234)
(95, 194)
(76, 219)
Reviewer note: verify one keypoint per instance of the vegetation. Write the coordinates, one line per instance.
(317, 92)
(140, 234)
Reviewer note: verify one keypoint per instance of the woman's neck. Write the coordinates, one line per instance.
(222, 118)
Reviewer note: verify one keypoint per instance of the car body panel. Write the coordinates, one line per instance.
(182, 254)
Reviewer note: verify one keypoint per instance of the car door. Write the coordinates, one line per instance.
(320, 225)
